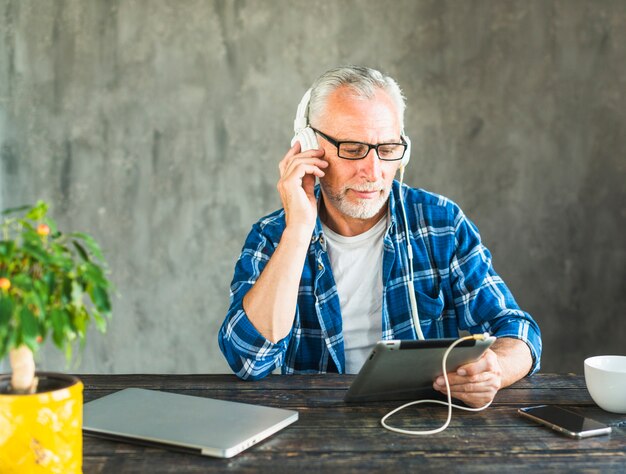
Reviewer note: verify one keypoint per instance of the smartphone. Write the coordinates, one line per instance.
(565, 421)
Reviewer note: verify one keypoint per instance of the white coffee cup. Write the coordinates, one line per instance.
(605, 377)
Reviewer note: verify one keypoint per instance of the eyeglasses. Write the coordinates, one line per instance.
(359, 150)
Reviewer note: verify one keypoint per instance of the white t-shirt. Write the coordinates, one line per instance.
(357, 265)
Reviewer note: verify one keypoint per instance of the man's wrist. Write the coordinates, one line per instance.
(514, 357)
(298, 235)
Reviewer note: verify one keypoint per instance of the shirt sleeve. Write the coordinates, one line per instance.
(250, 355)
(483, 302)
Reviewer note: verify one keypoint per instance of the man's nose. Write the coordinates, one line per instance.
(371, 165)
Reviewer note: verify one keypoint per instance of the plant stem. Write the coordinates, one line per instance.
(23, 379)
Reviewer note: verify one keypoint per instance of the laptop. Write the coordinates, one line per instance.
(186, 423)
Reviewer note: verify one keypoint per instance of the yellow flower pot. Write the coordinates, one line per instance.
(42, 432)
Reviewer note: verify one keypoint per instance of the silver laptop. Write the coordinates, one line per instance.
(181, 422)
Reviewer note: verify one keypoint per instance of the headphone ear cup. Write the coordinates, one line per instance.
(407, 154)
(307, 139)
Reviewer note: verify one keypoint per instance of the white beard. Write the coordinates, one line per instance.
(363, 208)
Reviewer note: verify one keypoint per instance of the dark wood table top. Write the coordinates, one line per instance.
(332, 436)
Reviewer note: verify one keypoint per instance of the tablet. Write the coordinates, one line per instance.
(398, 370)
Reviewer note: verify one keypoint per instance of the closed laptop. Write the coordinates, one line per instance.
(198, 425)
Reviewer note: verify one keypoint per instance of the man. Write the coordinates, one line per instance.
(320, 281)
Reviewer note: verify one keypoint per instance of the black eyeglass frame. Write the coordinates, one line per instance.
(337, 143)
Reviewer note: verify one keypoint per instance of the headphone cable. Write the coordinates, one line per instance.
(449, 403)
(414, 312)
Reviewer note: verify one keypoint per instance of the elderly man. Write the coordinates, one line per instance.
(320, 281)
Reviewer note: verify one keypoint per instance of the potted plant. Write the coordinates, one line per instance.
(52, 285)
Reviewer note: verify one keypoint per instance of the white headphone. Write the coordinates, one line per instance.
(304, 134)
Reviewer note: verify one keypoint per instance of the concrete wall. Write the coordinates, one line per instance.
(157, 126)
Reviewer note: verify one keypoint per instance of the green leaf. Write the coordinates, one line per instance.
(28, 228)
(81, 250)
(66, 293)
(35, 250)
(77, 295)
(6, 249)
(100, 299)
(58, 248)
(60, 324)
(61, 261)
(23, 282)
(93, 274)
(41, 287)
(4, 344)
(68, 352)
(6, 310)
(99, 320)
(13, 339)
(32, 298)
(54, 231)
(50, 281)
(38, 211)
(91, 244)
(80, 320)
(30, 328)
(13, 210)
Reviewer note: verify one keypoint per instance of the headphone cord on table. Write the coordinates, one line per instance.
(448, 403)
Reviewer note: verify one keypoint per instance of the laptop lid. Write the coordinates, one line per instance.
(199, 425)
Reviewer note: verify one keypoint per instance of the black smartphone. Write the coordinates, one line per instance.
(565, 421)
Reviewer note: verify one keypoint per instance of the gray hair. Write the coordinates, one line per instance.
(363, 81)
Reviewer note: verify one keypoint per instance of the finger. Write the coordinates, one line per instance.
(475, 400)
(473, 368)
(475, 396)
(293, 151)
(291, 167)
(488, 362)
(295, 148)
(317, 154)
(477, 387)
(481, 386)
(291, 156)
(298, 173)
(308, 169)
(455, 379)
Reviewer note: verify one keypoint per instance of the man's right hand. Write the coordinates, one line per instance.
(271, 302)
(296, 186)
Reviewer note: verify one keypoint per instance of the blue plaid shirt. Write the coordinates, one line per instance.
(455, 283)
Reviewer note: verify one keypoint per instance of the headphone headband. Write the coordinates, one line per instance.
(302, 121)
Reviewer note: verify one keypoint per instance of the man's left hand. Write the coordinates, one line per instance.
(475, 384)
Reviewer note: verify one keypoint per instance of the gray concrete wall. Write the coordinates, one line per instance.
(158, 126)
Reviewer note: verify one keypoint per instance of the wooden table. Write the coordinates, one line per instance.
(332, 436)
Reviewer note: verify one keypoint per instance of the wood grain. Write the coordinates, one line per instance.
(332, 435)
